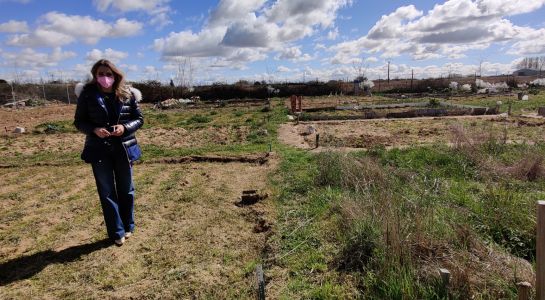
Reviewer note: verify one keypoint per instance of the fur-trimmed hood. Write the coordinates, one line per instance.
(135, 92)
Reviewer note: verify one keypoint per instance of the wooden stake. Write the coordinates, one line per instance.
(523, 290)
(540, 251)
(260, 282)
(445, 279)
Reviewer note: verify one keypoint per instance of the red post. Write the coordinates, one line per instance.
(293, 103)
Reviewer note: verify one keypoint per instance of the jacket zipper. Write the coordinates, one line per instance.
(122, 144)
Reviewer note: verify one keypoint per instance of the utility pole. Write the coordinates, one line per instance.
(388, 73)
(412, 78)
(67, 93)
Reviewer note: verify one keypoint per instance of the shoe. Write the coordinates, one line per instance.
(120, 241)
(128, 234)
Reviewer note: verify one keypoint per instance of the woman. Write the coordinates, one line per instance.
(108, 114)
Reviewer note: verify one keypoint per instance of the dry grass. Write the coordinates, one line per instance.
(471, 143)
(191, 240)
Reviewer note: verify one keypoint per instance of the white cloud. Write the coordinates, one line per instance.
(246, 55)
(129, 68)
(13, 26)
(109, 54)
(403, 71)
(290, 53)
(28, 58)
(128, 5)
(283, 69)
(306, 12)
(293, 54)
(150, 70)
(41, 37)
(252, 24)
(448, 30)
(57, 29)
(186, 43)
(229, 11)
(250, 33)
(157, 9)
(531, 44)
(124, 27)
(333, 34)
(508, 7)
(17, 1)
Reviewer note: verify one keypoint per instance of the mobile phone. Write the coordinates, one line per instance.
(110, 129)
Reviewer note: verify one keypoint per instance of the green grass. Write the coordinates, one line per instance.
(517, 107)
(65, 126)
(214, 117)
(335, 211)
(44, 157)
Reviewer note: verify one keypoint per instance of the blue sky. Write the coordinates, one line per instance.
(201, 42)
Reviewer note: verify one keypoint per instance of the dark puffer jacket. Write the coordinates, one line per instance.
(91, 113)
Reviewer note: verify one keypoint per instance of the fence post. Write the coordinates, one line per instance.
(260, 282)
(445, 280)
(523, 289)
(540, 251)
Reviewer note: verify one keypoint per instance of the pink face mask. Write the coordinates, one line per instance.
(105, 81)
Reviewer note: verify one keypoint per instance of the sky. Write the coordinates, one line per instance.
(204, 42)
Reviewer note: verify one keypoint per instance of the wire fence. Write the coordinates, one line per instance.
(154, 91)
(13, 92)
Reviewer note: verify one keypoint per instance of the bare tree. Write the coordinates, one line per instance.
(534, 63)
(184, 74)
(360, 67)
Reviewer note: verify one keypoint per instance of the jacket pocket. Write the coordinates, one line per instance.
(92, 152)
(134, 152)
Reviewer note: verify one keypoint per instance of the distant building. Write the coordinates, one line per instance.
(526, 72)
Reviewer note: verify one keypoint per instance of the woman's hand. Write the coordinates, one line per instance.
(102, 132)
(118, 130)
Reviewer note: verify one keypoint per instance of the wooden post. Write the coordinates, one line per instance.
(445, 279)
(540, 251)
(260, 282)
(523, 289)
(317, 140)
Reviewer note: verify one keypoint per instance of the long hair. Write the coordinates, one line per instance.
(122, 92)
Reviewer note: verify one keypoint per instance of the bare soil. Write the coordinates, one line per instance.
(399, 133)
(29, 117)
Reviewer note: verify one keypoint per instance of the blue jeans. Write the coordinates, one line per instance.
(113, 176)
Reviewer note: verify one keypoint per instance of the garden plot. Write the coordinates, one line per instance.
(399, 133)
(367, 122)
